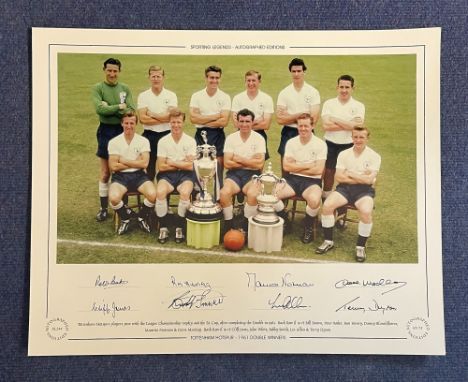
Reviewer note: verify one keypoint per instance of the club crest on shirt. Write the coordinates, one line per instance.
(219, 103)
(122, 96)
(253, 148)
(308, 99)
(166, 101)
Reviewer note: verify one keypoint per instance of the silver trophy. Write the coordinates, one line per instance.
(204, 207)
(267, 198)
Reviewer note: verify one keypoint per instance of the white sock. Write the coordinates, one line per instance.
(328, 221)
(161, 207)
(103, 189)
(312, 212)
(182, 207)
(147, 203)
(249, 210)
(119, 205)
(228, 213)
(278, 206)
(364, 229)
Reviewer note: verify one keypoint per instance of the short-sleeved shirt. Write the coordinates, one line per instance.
(157, 104)
(255, 144)
(347, 112)
(315, 149)
(260, 105)
(176, 151)
(119, 146)
(298, 101)
(368, 160)
(208, 105)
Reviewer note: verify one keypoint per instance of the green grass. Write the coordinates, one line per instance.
(385, 84)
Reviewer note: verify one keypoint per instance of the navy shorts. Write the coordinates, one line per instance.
(287, 133)
(241, 177)
(332, 154)
(130, 180)
(301, 183)
(216, 137)
(105, 133)
(354, 192)
(175, 178)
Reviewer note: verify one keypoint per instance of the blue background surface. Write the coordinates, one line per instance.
(18, 17)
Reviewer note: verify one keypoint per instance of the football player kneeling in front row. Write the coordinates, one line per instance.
(356, 171)
(128, 158)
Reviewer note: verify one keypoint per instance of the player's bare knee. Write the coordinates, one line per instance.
(114, 197)
(161, 193)
(365, 214)
(225, 196)
(328, 207)
(314, 201)
(185, 194)
(150, 194)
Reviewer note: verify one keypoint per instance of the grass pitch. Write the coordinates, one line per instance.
(385, 84)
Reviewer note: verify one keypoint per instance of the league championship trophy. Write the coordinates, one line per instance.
(204, 207)
(269, 183)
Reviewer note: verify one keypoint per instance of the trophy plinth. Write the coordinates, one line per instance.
(267, 199)
(204, 207)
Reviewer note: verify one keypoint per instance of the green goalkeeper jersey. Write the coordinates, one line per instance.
(106, 99)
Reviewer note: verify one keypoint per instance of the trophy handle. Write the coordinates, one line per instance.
(282, 181)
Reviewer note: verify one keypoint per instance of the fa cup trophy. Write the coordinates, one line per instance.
(205, 207)
(267, 198)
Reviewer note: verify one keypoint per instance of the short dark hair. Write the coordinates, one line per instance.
(358, 128)
(245, 113)
(346, 77)
(130, 114)
(306, 116)
(112, 61)
(297, 62)
(175, 113)
(253, 73)
(213, 68)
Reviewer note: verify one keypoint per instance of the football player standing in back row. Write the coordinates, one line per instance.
(260, 103)
(111, 100)
(340, 115)
(294, 100)
(209, 111)
(154, 107)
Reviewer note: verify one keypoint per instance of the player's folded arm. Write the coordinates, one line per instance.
(229, 162)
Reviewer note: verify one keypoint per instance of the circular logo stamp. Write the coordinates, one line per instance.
(418, 328)
(57, 329)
